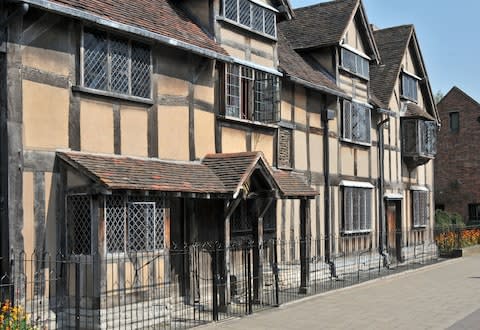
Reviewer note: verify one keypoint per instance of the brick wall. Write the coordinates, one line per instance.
(457, 165)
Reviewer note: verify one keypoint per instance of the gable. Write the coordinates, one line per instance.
(355, 36)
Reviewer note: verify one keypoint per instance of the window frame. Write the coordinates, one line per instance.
(420, 220)
(406, 92)
(282, 164)
(423, 130)
(356, 69)
(247, 105)
(108, 90)
(363, 196)
(348, 127)
(253, 5)
(476, 208)
(451, 115)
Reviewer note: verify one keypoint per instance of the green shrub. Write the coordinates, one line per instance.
(448, 221)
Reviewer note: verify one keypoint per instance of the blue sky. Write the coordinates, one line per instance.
(448, 32)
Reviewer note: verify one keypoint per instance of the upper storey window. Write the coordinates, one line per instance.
(251, 15)
(251, 94)
(409, 87)
(356, 123)
(116, 65)
(355, 63)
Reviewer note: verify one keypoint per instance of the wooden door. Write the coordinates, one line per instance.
(394, 230)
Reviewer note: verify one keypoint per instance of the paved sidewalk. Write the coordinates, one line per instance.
(445, 295)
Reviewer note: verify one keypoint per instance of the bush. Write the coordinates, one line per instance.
(445, 221)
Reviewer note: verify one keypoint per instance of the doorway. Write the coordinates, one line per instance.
(394, 229)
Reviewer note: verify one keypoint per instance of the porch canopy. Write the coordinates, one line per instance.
(226, 175)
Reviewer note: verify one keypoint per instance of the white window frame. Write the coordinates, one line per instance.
(360, 66)
(420, 208)
(356, 123)
(260, 107)
(357, 209)
(131, 43)
(409, 87)
(233, 15)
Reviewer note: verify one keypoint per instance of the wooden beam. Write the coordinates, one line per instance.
(305, 246)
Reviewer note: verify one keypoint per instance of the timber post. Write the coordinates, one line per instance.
(304, 246)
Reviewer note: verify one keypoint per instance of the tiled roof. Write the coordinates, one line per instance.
(392, 43)
(415, 111)
(293, 184)
(319, 25)
(222, 174)
(121, 172)
(157, 16)
(294, 65)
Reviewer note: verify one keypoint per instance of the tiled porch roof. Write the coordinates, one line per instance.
(415, 111)
(217, 174)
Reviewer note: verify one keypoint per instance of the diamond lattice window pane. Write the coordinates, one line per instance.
(115, 218)
(79, 224)
(95, 60)
(140, 71)
(230, 9)
(119, 54)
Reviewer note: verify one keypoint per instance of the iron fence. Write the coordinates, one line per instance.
(190, 285)
(453, 237)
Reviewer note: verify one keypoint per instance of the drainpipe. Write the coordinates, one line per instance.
(381, 183)
(326, 116)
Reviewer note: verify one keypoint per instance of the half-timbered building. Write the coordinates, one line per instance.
(132, 128)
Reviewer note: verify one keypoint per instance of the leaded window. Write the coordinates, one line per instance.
(419, 138)
(134, 224)
(355, 63)
(251, 15)
(357, 210)
(409, 87)
(356, 122)
(251, 94)
(116, 65)
(79, 230)
(420, 207)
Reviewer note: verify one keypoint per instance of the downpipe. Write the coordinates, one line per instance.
(382, 239)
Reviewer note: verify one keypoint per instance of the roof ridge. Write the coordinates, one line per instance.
(456, 88)
(394, 27)
(323, 4)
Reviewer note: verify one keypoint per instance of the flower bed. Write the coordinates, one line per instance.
(457, 239)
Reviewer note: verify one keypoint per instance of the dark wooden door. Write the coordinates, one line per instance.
(394, 230)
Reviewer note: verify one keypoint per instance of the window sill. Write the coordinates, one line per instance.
(406, 98)
(246, 28)
(246, 122)
(356, 232)
(419, 228)
(356, 143)
(111, 95)
(366, 79)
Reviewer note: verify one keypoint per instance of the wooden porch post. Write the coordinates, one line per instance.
(262, 208)
(305, 246)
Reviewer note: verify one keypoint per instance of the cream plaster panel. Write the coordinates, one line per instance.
(173, 133)
(363, 163)
(300, 116)
(353, 37)
(46, 60)
(262, 61)
(346, 154)
(266, 47)
(316, 153)
(204, 93)
(374, 154)
(171, 86)
(300, 139)
(315, 120)
(234, 52)
(228, 34)
(288, 234)
(333, 147)
(204, 133)
(300, 105)
(264, 143)
(134, 131)
(45, 116)
(421, 175)
(233, 140)
(28, 230)
(393, 155)
(286, 111)
(386, 166)
(296, 223)
(429, 172)
(96, 117)
(336, 214)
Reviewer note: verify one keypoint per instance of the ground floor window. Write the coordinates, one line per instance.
(357, 210)
(474, 213)
(420, 207)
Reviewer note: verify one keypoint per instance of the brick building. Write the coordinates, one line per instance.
(456, 170)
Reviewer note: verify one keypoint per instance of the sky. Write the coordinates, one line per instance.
(448, 33)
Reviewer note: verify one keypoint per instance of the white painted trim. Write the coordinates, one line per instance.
(367, 105)
(264, 5)
(393, 196)
(411, 74)
(257, 66)
(356, 184)
(419, 188)
(356, 51)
